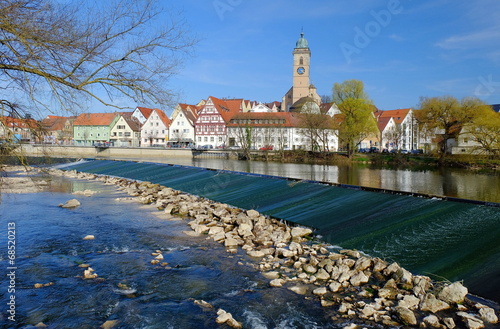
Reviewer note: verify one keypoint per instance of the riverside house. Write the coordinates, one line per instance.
(154, 131)
(20, 130)
(58, 129)
(142, 114)
(182, 131)
(126, 132)
(404, 134)
(93, 128)
(211, 124)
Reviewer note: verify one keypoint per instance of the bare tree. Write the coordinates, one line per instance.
(393, 136)
(70, 52)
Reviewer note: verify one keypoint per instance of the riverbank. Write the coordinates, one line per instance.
(390, 161)
(347, 283)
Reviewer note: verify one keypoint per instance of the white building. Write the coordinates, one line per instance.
(154, 131)
(126, 131)
(182, 131)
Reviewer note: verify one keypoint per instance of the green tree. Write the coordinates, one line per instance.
(446, 116)
(66, 53)
(485, 130)
(356, 120)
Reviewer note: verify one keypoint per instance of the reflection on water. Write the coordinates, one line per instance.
(461, 183)
(129, 289)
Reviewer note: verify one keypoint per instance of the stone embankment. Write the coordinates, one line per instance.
(353, 287)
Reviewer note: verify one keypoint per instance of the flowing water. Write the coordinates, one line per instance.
(460, 243)
(443, 239)
(454, 182)
(129, 288)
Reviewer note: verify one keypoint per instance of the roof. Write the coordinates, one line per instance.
(496, 107)
(398, 115)
(297, 106)
(11, 122)
(54, 123)
(302, 42)
(190, 115)
(145, 111)
(132, 121)
(382, 123)
(227, 107)
(95, 119)
(163, 117)
(291, 119)
(325, 107)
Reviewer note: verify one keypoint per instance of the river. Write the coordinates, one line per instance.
(129, 289)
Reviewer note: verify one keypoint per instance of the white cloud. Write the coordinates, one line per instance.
(484, 39)
(396, 37)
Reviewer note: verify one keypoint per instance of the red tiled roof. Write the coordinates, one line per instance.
(163, 117)
(398, 115)
(11, 122)
(94, 119)
(55, 123)
(145, 111)
(227, 107)
(382, 122)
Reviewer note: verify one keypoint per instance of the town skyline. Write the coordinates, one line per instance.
(401, 49)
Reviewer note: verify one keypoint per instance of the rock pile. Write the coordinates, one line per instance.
(356, 287)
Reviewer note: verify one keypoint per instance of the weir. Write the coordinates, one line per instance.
(443, 238)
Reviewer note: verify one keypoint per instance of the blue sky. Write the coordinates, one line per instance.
(400, 49)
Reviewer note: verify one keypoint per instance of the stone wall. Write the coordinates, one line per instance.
(111, 152)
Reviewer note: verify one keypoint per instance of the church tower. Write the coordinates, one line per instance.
(302, 87)
(301, 65)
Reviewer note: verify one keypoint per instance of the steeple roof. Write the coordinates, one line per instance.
(302, 42)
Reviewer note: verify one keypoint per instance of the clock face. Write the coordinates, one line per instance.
(301, 70)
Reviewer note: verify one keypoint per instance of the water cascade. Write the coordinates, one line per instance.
(442, 238)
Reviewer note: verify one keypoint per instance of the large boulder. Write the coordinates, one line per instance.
(299, 232)
(432, 304)
(471, 322)
(453, 294)
(73, 203)
(406, 315)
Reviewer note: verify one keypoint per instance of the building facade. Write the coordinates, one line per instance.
(211, 124)
(154, 132)
(126, 132)
(93, 128)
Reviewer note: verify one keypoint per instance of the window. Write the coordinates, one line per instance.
(127, 134)
(185, 131)
(120, 133)
(205, 139)
(212, 139)
(120, 127)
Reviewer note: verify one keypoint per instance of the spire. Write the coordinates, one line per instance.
(302, 42)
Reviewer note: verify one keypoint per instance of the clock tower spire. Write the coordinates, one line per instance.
(302, 89)
(301, 65)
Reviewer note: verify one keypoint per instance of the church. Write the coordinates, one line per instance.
(302, 96)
